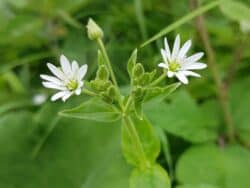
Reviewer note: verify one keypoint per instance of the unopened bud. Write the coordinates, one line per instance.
(94, 31)
(138, 70)
(102, 73)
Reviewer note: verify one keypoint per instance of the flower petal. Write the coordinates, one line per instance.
(167, 49)
(75, 68)
(58, 95)
(164, 55)
(51, 79)
(193, 66)
(57, 72)
(52, 85)
(170, 74)
(182, 77)
(78, 91)
(82, 71)
(184, 49)
(190, 73)
(66, 96)
(176, 47)
(66, 67)
(194, 57)
(163, 65)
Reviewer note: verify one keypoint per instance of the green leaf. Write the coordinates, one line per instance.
(198, 186)
(132, 62)
(182, 20)
(73, 155)
(240, 108)
(163, 92)
(93, 109)
(134, 130)
(155, 177)
(208, 164)
(184, 118)
(235, 10)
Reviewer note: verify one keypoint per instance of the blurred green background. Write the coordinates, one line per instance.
(38, 148)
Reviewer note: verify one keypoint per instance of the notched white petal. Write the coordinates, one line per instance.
(194, 58)
(53, 86)
(182, 77)
(82, 71)
(167, 49)
(170, 74)
(57, 72)
(194, 66)
(66, 96)
(190, 73)
(58, 95)
(176, 47)
(65, 64)
(184, 49)
(51, 79)
(163, 65)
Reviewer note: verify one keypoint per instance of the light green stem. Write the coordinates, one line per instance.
(136, 140)
(158, 80)
(183, 20)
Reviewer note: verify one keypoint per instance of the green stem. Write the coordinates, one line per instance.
(183, 20)
(129, 102)
(107, 60)
(158, 80)
(136, 140)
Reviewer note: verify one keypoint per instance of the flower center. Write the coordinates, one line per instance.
(174, 66)
(72, 85)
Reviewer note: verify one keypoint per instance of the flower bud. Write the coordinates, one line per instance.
(112, 92)
(138, 70)
(102, 73)
(94, 31)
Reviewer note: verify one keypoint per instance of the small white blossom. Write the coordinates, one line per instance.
(177, 63)
(39, 99)
(68, 79)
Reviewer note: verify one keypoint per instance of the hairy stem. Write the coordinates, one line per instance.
(222, 92)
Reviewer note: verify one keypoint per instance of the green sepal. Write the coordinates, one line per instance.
(100, 85)
(100, 58)
(153, 92)
(138, 70)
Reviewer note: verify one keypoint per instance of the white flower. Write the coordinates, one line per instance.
(177, 63)
(67, 79)
(39, 99)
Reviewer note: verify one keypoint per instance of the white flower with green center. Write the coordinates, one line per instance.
(68, 79)
(177, 63)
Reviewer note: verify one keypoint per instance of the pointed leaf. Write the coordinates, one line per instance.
(155, 177)
(93, 109)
